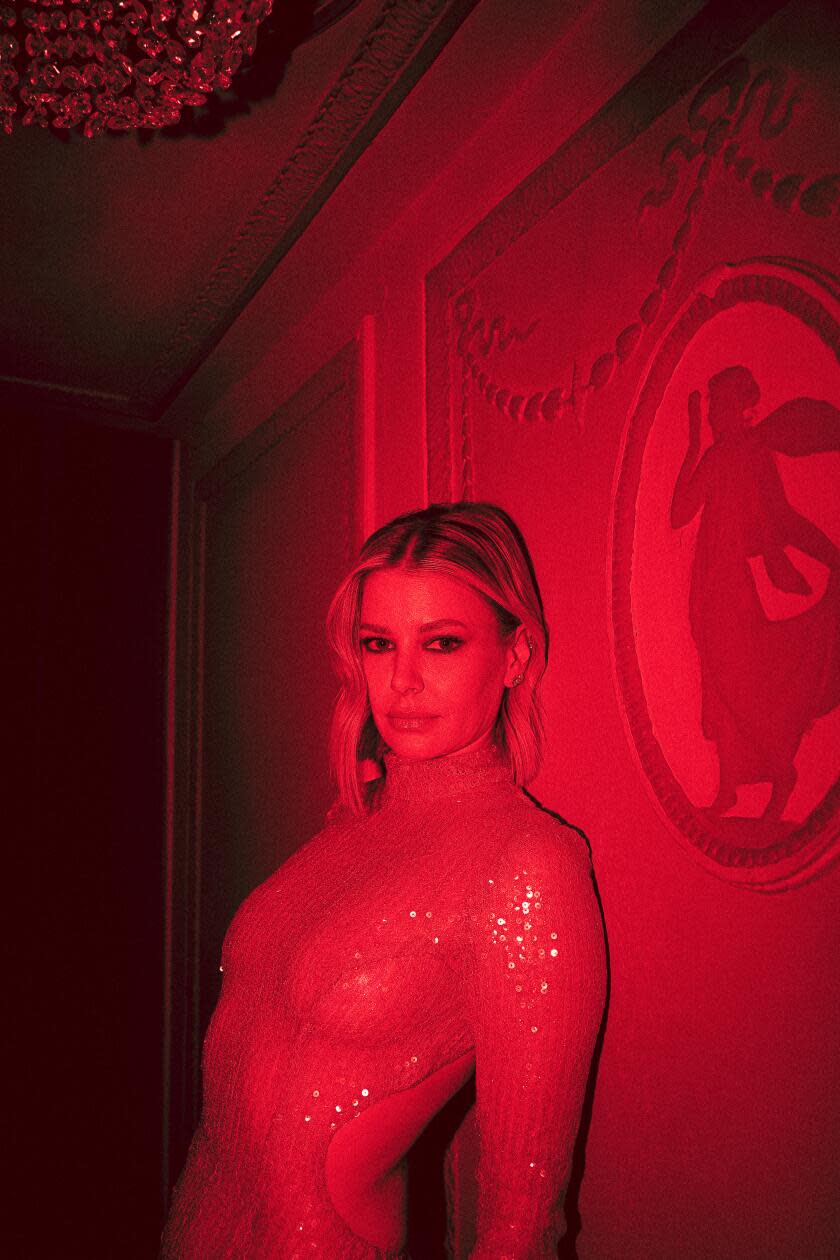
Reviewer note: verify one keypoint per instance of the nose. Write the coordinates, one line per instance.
(406, 676)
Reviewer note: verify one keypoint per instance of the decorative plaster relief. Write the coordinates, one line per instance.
(726, 572)
(719, 116)
(734, 101)
(604, 297)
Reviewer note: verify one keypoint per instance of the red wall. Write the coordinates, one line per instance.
(715, 1111)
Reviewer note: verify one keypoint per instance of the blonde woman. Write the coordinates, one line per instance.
(440, 925)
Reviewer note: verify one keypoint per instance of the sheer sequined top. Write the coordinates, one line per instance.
(456, 916)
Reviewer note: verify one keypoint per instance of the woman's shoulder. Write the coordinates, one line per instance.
(538, 871)
(530, 838)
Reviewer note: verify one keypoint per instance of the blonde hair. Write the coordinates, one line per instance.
(476, 543)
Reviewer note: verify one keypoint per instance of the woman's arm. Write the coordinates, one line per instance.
(687, 498)
(536, 973)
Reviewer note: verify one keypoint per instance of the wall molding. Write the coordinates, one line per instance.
(763, 854)
(707, 40)
(184, 1001)
(402, 43)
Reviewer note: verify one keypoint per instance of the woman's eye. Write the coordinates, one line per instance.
(375, 645)
(448, 643)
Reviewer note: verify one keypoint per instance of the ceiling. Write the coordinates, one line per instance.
(125, 259)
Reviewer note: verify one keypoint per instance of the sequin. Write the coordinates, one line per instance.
(360, 994)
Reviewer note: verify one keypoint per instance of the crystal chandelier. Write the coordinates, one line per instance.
(93, 65)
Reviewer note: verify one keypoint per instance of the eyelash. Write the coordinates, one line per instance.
(442, 638)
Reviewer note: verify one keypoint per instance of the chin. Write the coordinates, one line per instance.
(423, 748)
(416, 747)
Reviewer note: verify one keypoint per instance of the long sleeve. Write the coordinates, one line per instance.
(368, 963)
(535, 965)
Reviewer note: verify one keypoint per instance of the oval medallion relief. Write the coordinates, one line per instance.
(726, 573)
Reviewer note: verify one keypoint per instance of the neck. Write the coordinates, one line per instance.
(468, 770)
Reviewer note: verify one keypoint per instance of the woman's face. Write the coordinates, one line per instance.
(434, 660)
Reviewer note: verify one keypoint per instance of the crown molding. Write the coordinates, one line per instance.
(399, 47)
(21, 395)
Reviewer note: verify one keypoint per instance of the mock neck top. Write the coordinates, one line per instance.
(413, 782)
(455, 919)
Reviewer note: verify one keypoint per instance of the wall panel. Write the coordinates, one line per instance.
(530, 310)
(276, 522)
(690, 229)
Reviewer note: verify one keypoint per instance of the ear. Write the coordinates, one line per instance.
(518, 656)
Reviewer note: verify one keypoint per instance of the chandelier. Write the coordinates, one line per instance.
(97, 65)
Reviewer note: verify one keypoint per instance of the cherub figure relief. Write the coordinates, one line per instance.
(764, 682)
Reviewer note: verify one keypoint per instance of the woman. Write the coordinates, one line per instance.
(439, 924)
(765, 679)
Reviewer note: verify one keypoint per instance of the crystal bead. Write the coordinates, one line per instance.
(202, 70)
(150, 44)
(148, 71)
(93, 75)
(94, 125)
(118, 81)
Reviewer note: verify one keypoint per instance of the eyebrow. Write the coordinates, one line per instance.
(429, 625)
